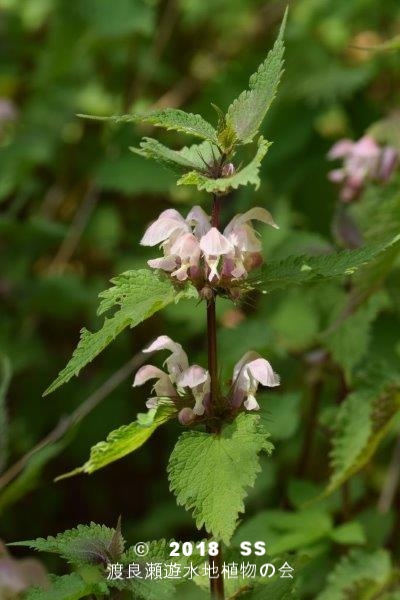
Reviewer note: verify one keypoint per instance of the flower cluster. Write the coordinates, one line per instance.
(188, 387)
(195, 250)
(363, 161)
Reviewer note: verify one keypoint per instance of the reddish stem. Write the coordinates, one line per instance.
(217, 584)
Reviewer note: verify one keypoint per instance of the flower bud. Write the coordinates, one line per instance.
(186, 416)
(228, 170)
(206, 293)
(389, 160)
(253, 260)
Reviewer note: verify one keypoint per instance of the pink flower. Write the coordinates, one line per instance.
(363, 161)
(248, 373)
(193, 249)
(180, 379)
(179, 239)
(247, 246)
(169, 224)
(187, 249)
(197, 380)
(214, 245)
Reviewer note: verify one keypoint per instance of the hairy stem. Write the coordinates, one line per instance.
(217, 584)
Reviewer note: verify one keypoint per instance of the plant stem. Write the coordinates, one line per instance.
(310, 428)
(217, 584)
(212, 324)
(212, 351)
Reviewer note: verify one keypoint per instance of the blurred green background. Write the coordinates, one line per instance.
(75, 203)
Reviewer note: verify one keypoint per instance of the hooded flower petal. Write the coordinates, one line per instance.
(254, 214)
(247, 374)
(146, 373)
(214, 245)
(341, 149)
(169, 222)
(198, 380)
(177, 362)
(193, 377)
(200, 220)
(163, 386)
(262, 372)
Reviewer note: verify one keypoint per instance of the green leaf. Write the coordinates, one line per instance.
(284, 531)
(168, 118)
(197, 156)
(160, 551)
(363, 419)
(137, 296)
(249, 174)
(67, 587)
(349, 533)
(124, 440)
(370, 569)
(5, 377)
(210, 473)
(348, 342)
(85, 544)
(280, 414)
(275, 588)
(297, 270)
(247, 112)
(29, 478)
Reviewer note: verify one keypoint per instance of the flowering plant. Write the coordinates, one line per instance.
(216, 458)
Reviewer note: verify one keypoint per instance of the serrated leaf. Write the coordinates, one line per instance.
(170, 119)
(85, 544)
(348, 342)
(124, 440)
(67, 587)
(368, 568)
(249, 174)
(137, 296)
(117, 542)
(247, 112)
(160, 551)
(197, 156)
(297, 270)
(363, 419)
(211, 473)
(5, 377)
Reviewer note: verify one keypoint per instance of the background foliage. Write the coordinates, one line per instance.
(74, 204)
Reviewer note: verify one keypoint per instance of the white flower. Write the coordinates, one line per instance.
(199, 220)
(194, 249)
(180, 377)
(179, 243)
(243, 237)
(177, 362)
(248, 373)
(214, 245)
(163, 387)
(170, 222)
(187, 249)
(198, 380)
